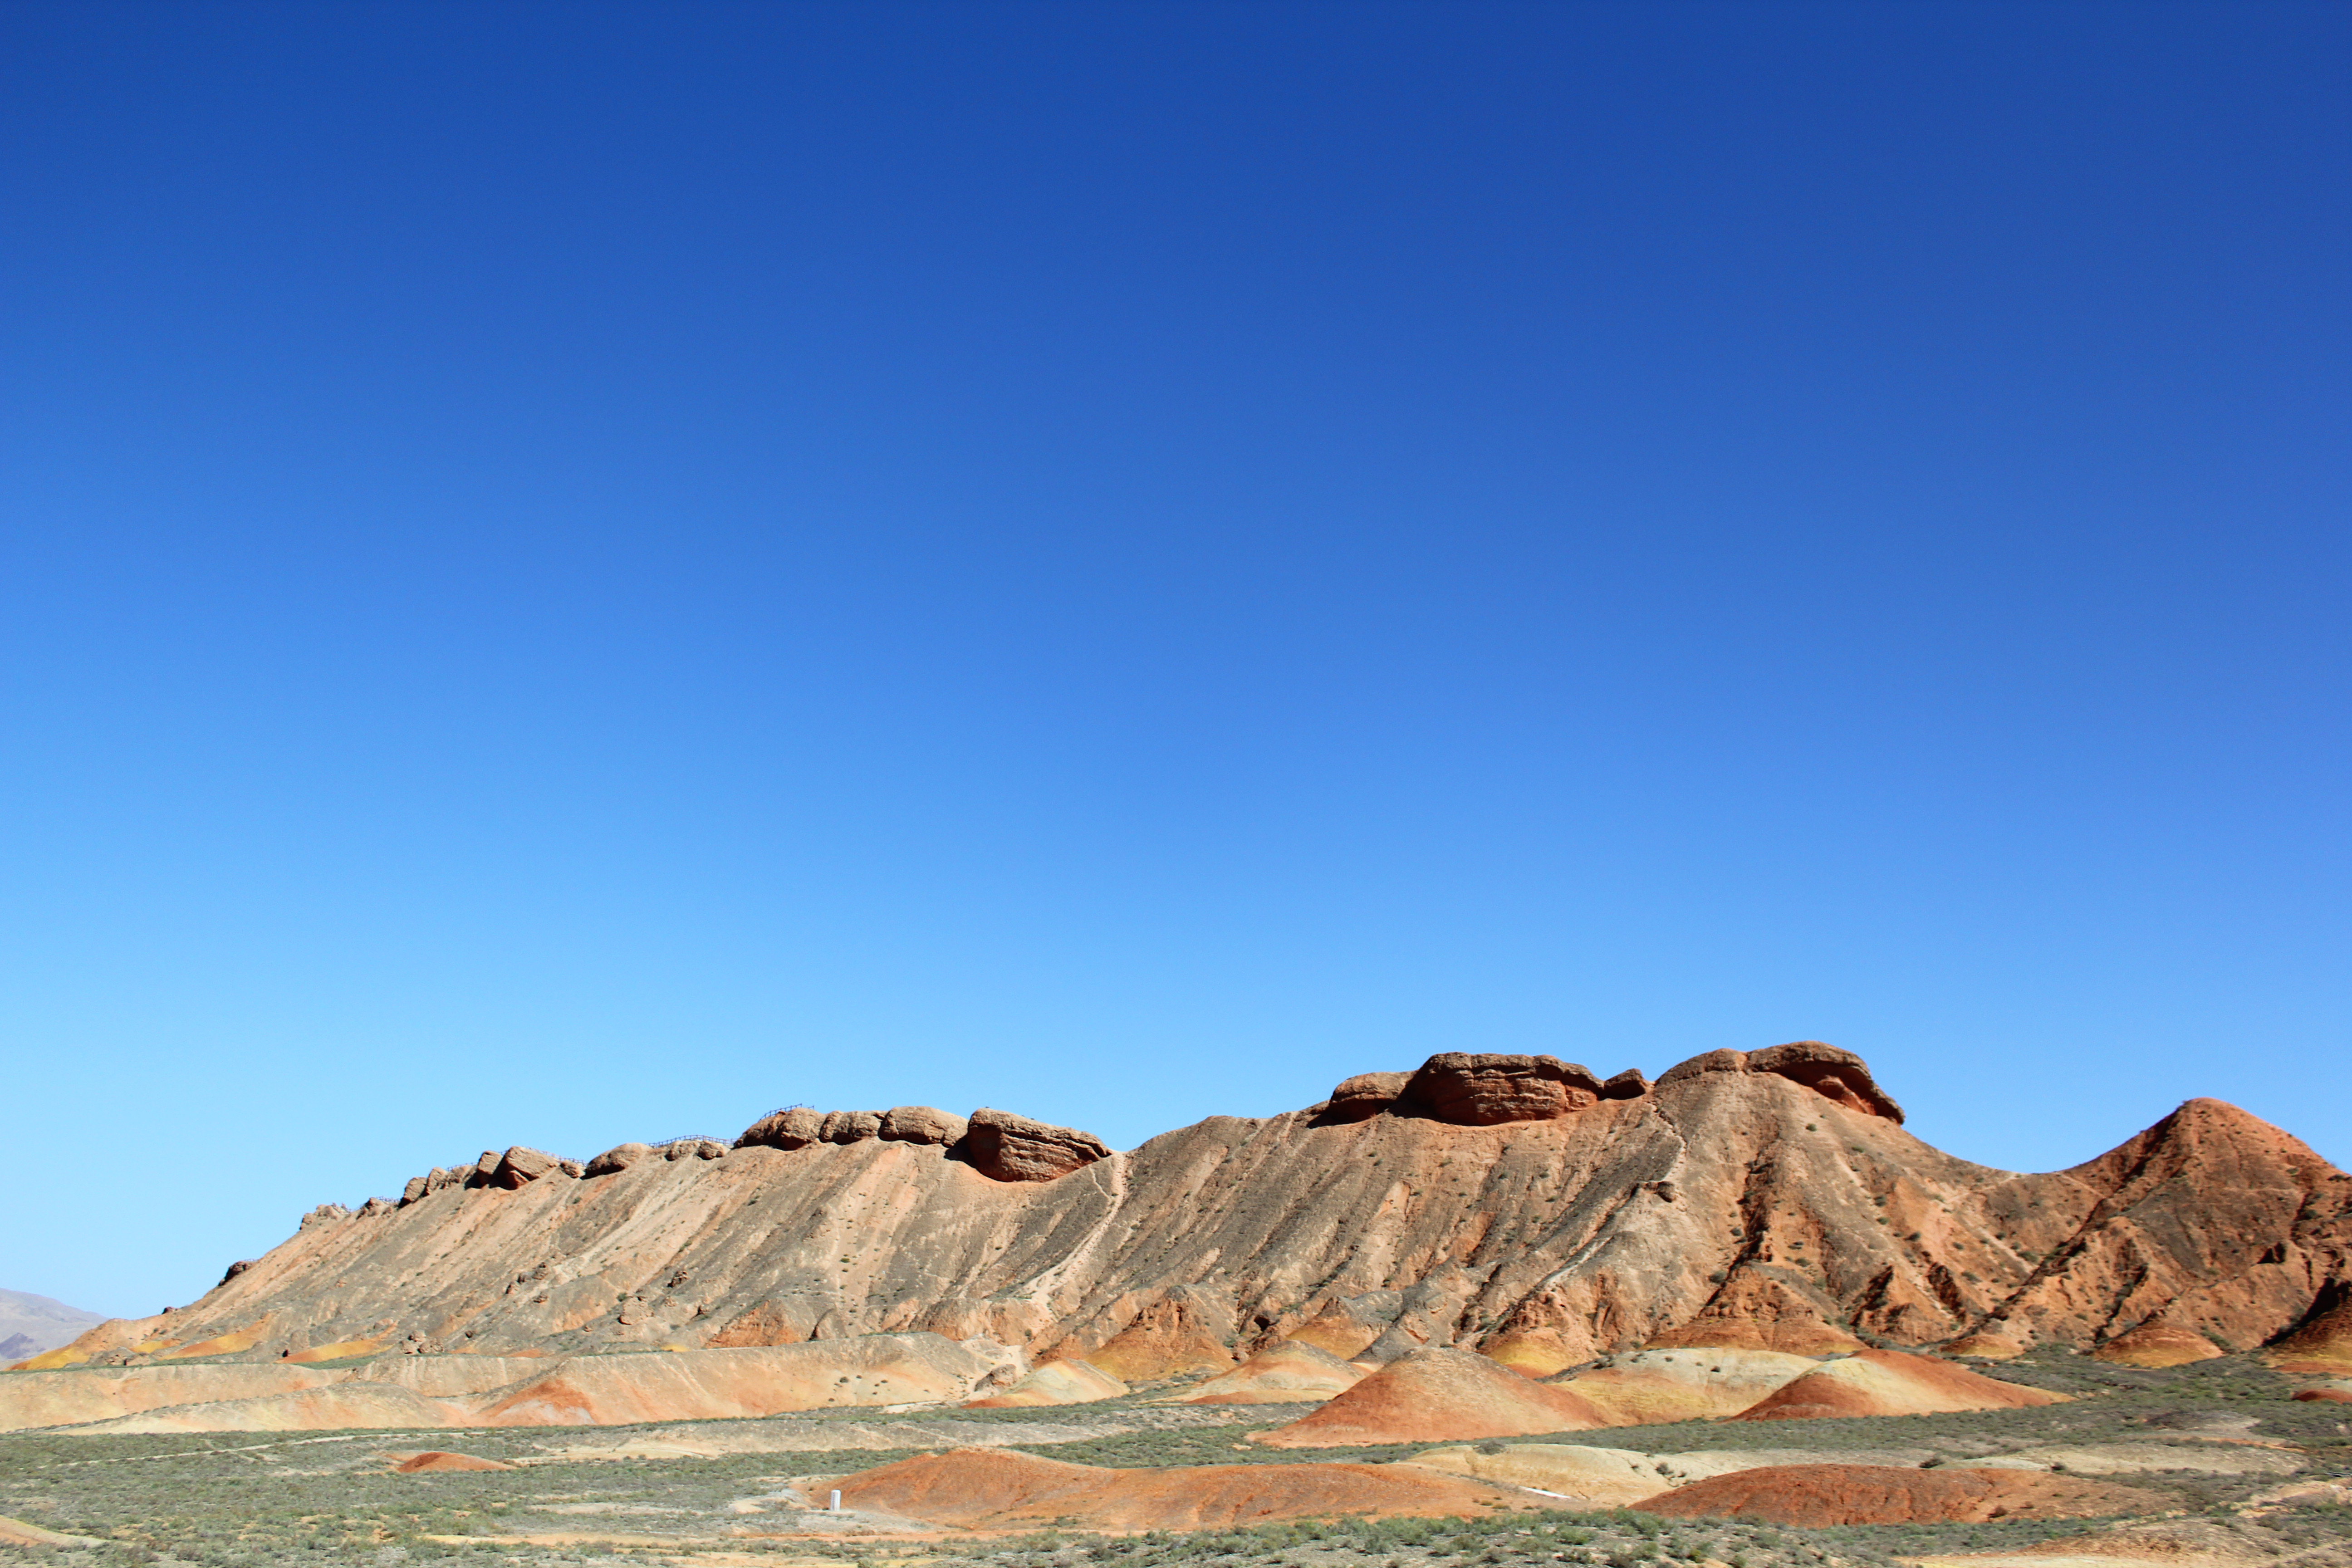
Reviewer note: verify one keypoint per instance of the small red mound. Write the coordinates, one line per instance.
(433, 1459)
(1890, 1383)
(986, 1489)
(2325, 1396)
(1816, 1495)
(1438, 1395)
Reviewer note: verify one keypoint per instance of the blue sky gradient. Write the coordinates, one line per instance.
(578, 573)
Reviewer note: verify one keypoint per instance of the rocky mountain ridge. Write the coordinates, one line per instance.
(1520, 1205)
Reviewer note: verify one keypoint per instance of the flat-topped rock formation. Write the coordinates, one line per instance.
(1520, 1206)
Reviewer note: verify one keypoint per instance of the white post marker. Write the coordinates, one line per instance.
(836, 1500)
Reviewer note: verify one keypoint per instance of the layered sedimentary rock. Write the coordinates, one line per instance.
(1487, 1090)
(1520, 1205)
(500, 1390)
(1014, 1149)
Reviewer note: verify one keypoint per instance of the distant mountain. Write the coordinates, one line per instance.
(30, 1324)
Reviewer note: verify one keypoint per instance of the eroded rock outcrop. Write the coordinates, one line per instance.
(849, 1126)
(1839, 1077)
(794, 1127)
(922, 1124)
(518, 1165)
(1008, 1148)
(1631, 1084)
(1363, 1096)
(1475, 1090)
(619, 1158)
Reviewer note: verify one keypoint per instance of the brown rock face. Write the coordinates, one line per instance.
(2217, 1221)
(1364, 1096)
(518, 1165)
(1835, 1074)
(1009, 1148)
(1700, 1066)
(1486, 1090)
(1811, 1496)
(921, 1124)
(849, 1126)
(619, 1158)
(794, 1127)
(1627, 1085)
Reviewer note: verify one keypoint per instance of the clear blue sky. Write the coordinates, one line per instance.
(575, 573)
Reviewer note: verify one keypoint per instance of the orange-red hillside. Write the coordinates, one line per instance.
(1434, 1397)
(994, 1488)
(1888, 1382)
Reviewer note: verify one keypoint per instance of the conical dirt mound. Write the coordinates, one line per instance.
(1437, 1395)
(1888, 1382)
